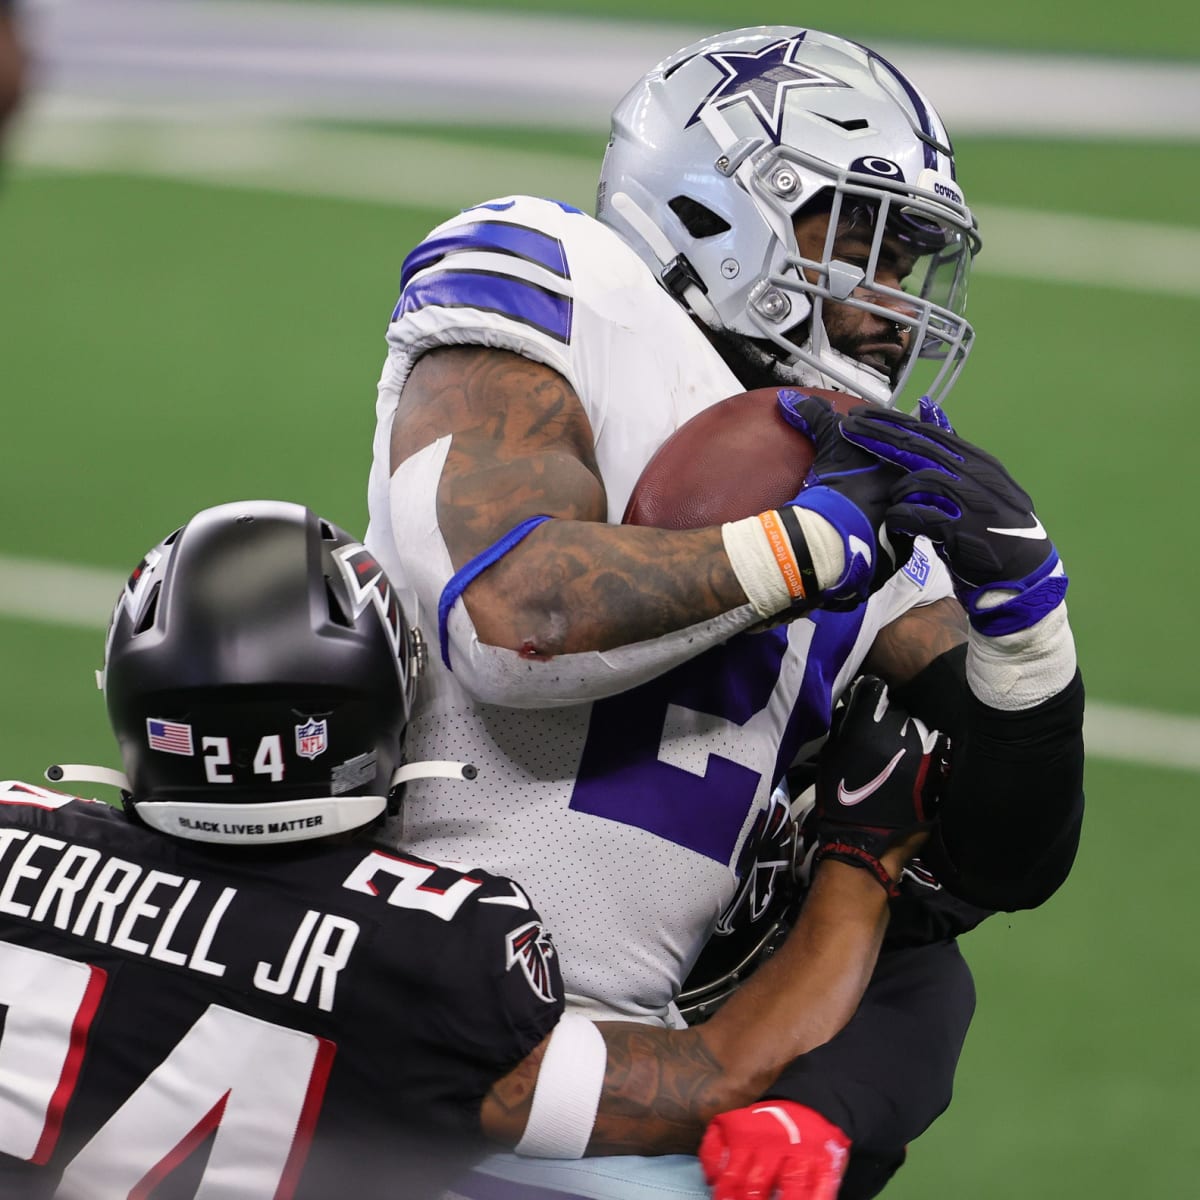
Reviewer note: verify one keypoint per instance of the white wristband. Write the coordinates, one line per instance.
(567, 1093)
(1018, 670)
(760, 554)
(753, 560)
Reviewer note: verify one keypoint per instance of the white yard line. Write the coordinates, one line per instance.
(83, 597)
(416, 63)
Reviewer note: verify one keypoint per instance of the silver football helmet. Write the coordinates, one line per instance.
(716, 152)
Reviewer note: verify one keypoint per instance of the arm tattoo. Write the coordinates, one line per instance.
(521, 447)
(914, 639)
(661, 1088)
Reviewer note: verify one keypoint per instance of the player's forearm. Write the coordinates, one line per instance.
(1012, 813)
(515, 445)
(811, 986)
(1010, 821)
(576, 586)
(662, 1087)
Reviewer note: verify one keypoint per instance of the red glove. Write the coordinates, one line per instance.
(773, 1150)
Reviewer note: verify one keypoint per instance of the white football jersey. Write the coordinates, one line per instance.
(624, 818)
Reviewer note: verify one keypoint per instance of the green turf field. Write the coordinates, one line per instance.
(171, 344)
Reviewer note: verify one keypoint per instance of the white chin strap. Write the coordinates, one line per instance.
(434, 769)
(643, 225)
(83, 773)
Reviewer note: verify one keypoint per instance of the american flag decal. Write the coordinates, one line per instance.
(169, 736)
(530, 948)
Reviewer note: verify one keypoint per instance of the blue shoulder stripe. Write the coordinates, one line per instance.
(501, 236)
(489, 292)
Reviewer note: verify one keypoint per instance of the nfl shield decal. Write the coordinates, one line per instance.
(311, 739)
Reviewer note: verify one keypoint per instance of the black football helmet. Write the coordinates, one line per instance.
(757, 919)
(259, 674)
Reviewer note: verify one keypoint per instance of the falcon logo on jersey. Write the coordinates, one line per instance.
(369, 585)
(530, 948)
(312, 738)
(772, 842)
(763, 79)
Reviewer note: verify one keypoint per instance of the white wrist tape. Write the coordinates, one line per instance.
(1019, 670)
(567, 1093)
(764, 561)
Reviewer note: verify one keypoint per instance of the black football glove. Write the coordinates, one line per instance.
(879, 778)
(980, 521)
(861, 478)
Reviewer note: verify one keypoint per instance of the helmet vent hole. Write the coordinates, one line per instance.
(170, 538)
(327, 533)
(146, 620)
(851, 126)
(683, 62)
(699, 221)
(337, 614)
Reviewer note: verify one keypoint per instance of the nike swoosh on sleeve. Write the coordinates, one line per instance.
(516, 900)
(849, 796)
(1034, 531)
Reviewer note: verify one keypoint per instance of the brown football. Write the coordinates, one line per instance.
(736, 458)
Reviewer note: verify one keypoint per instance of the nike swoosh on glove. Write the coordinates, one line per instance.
(1006, 571)
(774, 1150)
(860, 477)
(880, 776)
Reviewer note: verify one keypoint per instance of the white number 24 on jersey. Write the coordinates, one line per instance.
(257, 1086)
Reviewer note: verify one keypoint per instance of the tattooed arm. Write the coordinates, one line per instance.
(522, 446)
(906, 646)
(662, 1086)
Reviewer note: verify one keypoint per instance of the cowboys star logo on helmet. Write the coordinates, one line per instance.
(763, 78)
(530, 948)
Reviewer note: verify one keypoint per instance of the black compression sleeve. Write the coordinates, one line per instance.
(938, 694)
(1010, 821)
(889, 1073)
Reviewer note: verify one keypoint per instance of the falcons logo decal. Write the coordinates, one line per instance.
(771, 869)
(135, 597)
(530, 948)
(369, 585)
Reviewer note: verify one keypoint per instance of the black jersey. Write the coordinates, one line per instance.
(306, 1021)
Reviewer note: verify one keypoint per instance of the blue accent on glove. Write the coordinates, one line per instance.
(861, 478)
(858, 544)
(1039, 593)
(931, 413)
(980, 521)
